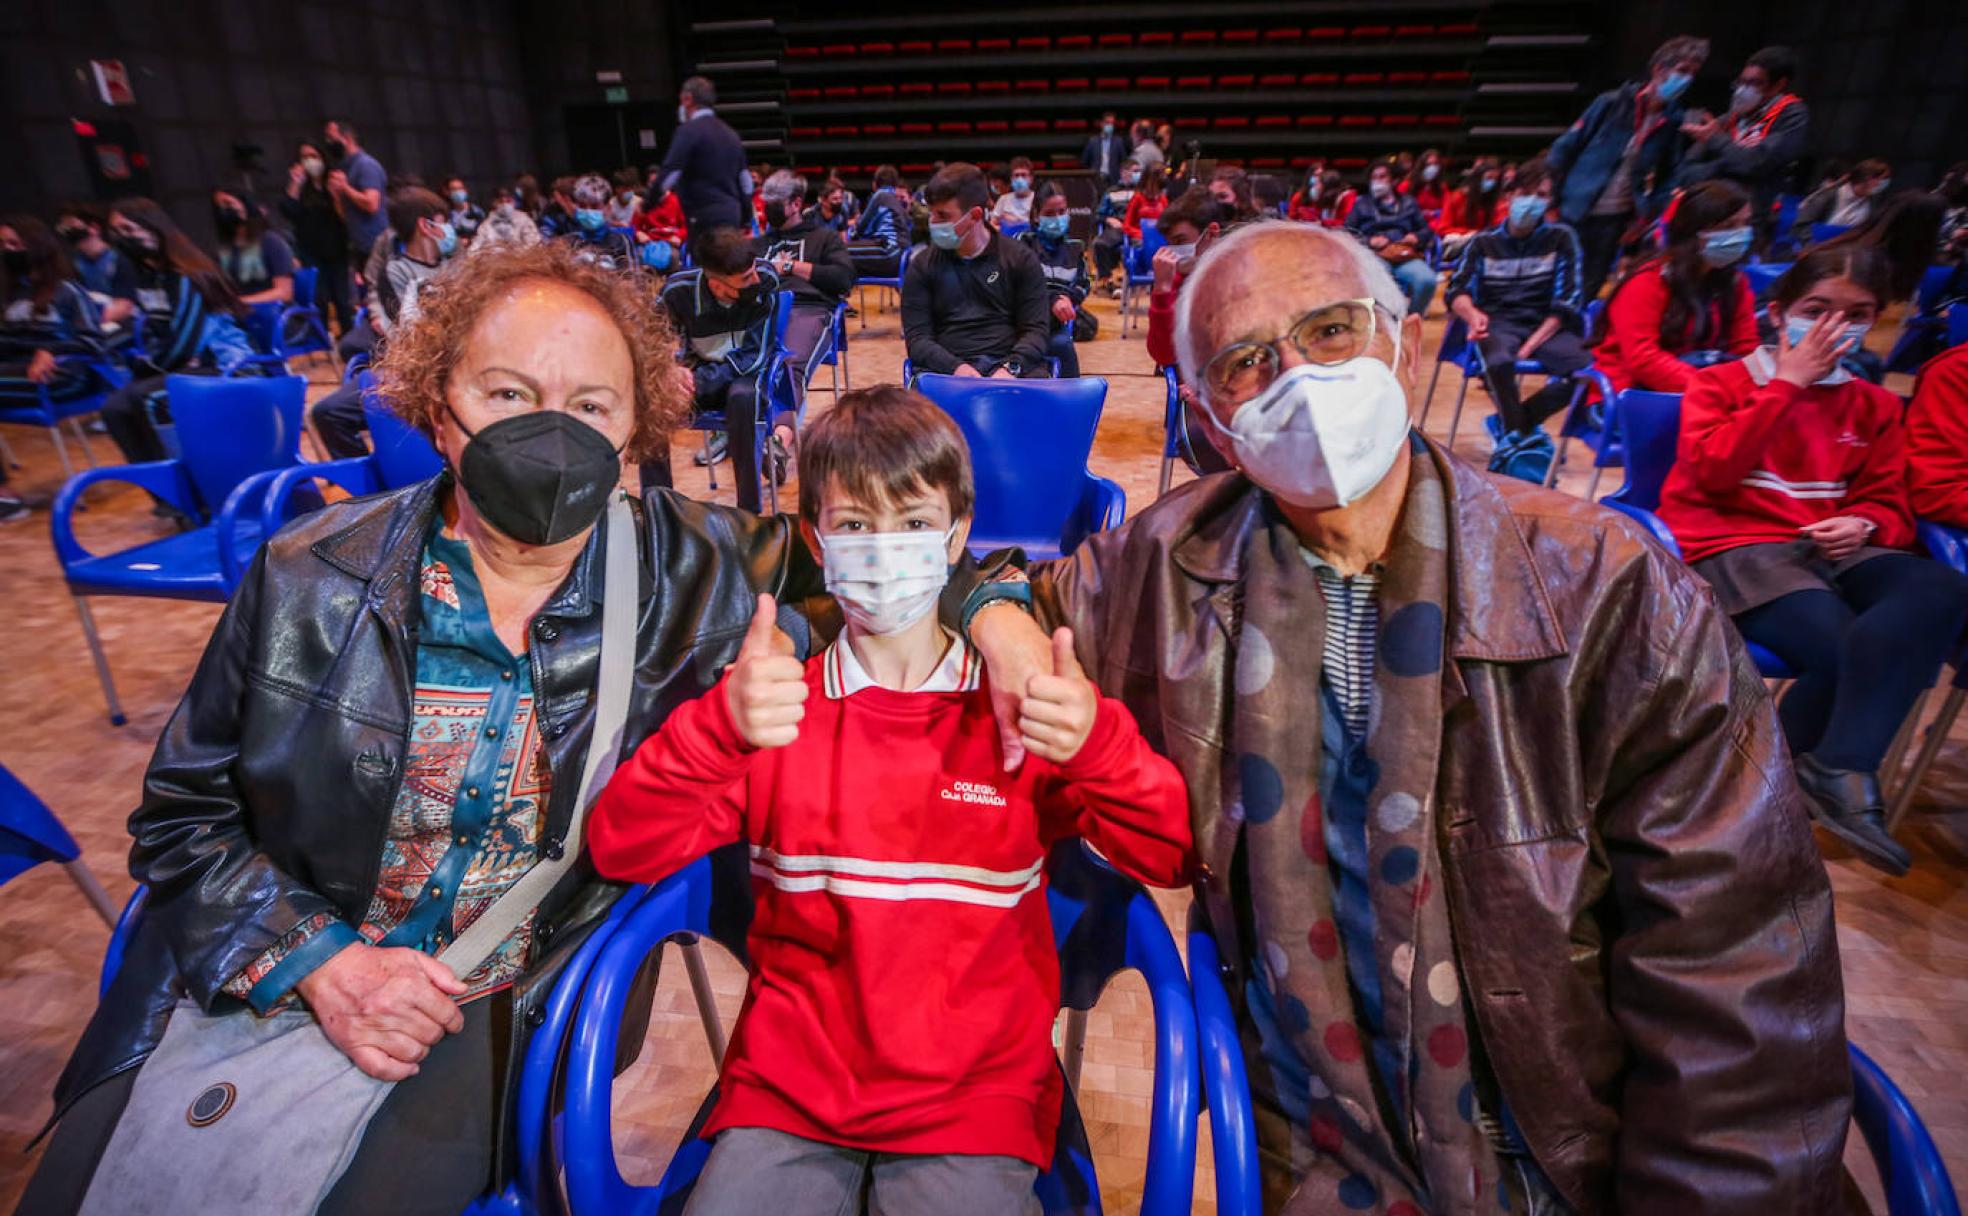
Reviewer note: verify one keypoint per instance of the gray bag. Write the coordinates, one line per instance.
(234, 1112)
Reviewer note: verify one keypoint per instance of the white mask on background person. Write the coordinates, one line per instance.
(1319, 436)
(886, 581)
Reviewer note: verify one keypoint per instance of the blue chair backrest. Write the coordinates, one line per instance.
(304, 280)
(1820, 233)
(1455, 340)
(262, 325)
(782, 315)
(1650, 428)
(1933, 290)
(402, 454)
(229, 429)
(1029, 441)
(29, 832)
(1957, 321)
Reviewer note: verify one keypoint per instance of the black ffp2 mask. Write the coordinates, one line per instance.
(540, 477)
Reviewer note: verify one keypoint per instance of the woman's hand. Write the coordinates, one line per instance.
(1839, 537)
(383, 1007)
(766, 691)
(1057, 713)
(1812, 359)
(41, 368)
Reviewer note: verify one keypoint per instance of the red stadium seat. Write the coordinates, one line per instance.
(1068, 124)
(993, 45)
(1034, 86)
(1407, 78)
(1289, 34)
(1232, 122)
(878, 128)
(1449, 77)
(1074, 42)
(833, 91)
(1400, 120)
(1240, 81)
(917, 128)
(915, 47)
(1315, 120)
(1462, 29)
(838, 50)
(994, 86)
(953, 128)
(1275, 120)
(1191, 124)
(1413, 31)
(1116, 40)
(919, 167)
(1349, 162)
(877, 90)
(1192, 82)
(1356, 120)
(1029, 124)
(1156, 38)
(809, 170)
(959, 87)
(1240, 37)
(804, 132)
(802, 52)
(992, 125)
(1278, 80)
(952, 46)
(846, 129)
(916, 88)
(878, 48)
(1110, 83)
(1325, 33)
(1364, 78)
(1072, 84)
(1372, 31)
(1443, 120)
(1198, 37)
(1267, 162)
(802, 94)
(1036, 42)
(1151, 82)
(1319, 80)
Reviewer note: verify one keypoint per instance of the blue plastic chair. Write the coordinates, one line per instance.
(1937, 320)
(1102, 923)
(123, 931)
(833, 350)
(864, 282)
(1029, 442)
(1174, 434)
(1456, 348)
(400, 455)
(1910, 1166)
(303, 330)
(1138, 271)
(235, 435)
(1762, 275)
(31, 834)
(1820, 233)
(778, 382)
(47, 410)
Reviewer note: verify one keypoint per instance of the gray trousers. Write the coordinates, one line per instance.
(755, 1170)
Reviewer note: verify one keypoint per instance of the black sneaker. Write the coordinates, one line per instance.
(1848, 804)
(13, 509)
(718, 444)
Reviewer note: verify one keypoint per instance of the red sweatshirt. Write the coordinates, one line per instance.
(905, 980)
(1161, 323)
(664, 221)
(1141, 209)
(1756, 462)
(1937, 440)
(1636, 354)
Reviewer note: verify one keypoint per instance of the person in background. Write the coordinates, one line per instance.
(1689, 297)
(1064, 261)
(1335, 201)
(1109, 221)
(1305, 205)
(526, 191)
(1789, 495)
(256, 260)
(506, 224)
(1517, 291)
(1190, 225)
(466, 215)
(882, 231)
(832, 208)
(1268, 194)
(660, 231)
(1844, 204)
(191, 326)
(705, 165)
(613, 249)
(1147, 204)
(1758, 142)
(422, 238)
(626, 202)
(1393, 227)
(1905, 227)
(812, 262)
(1627, 138)
(1937, 440)
(1231, 186)
(98, 265)
(321, 237)
(1014, 206)
(1474, 206)
(45, 313)
(356, 181)
(975, 304)
(723, 310)
(557, 217)
(1953, 191)
(1106, 150)
(1428, 185)
(1146, 151)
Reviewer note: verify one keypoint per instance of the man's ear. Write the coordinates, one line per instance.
(1410, 340)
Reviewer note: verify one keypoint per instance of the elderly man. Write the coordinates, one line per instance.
(1518, 896)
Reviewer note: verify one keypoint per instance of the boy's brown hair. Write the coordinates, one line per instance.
(881, 444)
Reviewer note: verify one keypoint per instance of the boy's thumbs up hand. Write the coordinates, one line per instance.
(1057, 713)
(766, 690)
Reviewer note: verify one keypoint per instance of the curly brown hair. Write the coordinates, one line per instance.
(416, 363)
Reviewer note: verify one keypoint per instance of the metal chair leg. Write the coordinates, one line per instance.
(1592, 487)
(1902, 739)
(1455, 418)
(1073, 1049)
(710, 466)
(89, 633)
(61, 450)
(93, 892)
(82, 441)
(1930, 747)
(1168, 475)
(7, 454)
(1428, 402)
(700, 988)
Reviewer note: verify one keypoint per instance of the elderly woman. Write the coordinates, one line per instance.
(387, 729)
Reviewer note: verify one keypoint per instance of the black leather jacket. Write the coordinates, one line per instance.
(270, 791)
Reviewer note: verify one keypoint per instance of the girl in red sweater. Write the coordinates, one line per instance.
(1788, 495)
(1477, 205)
(898, 1021)
(1937, 440)
(1149, 199)
(1689, 297)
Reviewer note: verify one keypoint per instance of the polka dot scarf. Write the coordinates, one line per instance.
(1391, 1127)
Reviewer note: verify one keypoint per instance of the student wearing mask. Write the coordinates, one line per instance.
(660, 232)
(1109, 220)
(356, 181)
(321, 236)
(506, 224)
(557, 216)
(1628, 137)
(612, 249)
(1692, 296)
(1393, 227)
(1107, 150)
(256, 260)
(723, 309)
(1014, 206)
(812, 262)
(626, 202)
(833, 208)
(1757, 142)
(1474, 206)
(1231, 187)
(705, 165)
(1846, 203)
(1427, 184)
(1304, 207)
(44, 313)
(1789, 495)
(1146, 204)
(466, 215)
(1937, 440)
(1064, 261)
(1517, 290)
(98, 265)
(975, 303)
(882, 231)
(1147, 152)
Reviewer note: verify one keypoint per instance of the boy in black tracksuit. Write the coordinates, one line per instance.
(881, 232)
(812, 262)
(973, 303)
(1064, 261)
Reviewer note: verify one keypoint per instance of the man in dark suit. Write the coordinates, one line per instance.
(1105, 150)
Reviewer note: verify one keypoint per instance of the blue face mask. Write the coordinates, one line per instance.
(1106, 128)
(1673, 85)
(1020, 185)
(1054, 226)
(1796, 327)
(1527, 211)
(1726, 246)
(944, 236)
(656, 255)
(447, 241)
(459, 196)
(589, 218)
(1489, 183)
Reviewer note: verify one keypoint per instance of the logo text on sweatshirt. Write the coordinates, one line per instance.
(976, 792)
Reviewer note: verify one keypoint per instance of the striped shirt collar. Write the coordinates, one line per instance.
(843, 675)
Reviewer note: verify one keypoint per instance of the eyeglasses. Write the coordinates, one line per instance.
(1331, 333)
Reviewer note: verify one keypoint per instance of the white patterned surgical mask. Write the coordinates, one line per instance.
(886, 581)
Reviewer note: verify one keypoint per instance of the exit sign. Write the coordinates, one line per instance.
(617, 94)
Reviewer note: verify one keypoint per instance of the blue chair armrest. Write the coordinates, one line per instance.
(1648, 520)
(1910, 1166)
(1105, 504)
(1233, 1130)
(238, 503)
(1947, 544)
(1169, 1186)
(356, 474)
(164, 478)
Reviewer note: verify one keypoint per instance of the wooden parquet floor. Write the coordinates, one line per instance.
(1905, 941)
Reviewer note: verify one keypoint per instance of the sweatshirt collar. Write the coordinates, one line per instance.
(843, 675)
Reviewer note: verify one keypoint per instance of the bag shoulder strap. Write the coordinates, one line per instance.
(617, 664)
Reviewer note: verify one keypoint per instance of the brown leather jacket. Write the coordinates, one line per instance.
(1641, 916)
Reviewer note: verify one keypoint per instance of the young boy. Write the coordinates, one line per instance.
(896, 1033)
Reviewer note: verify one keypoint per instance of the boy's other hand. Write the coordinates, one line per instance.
(766, 691)
(1057, 713)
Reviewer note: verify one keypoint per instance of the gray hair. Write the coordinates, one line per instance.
(700, 90)
(782, 186)
(1387, 294)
